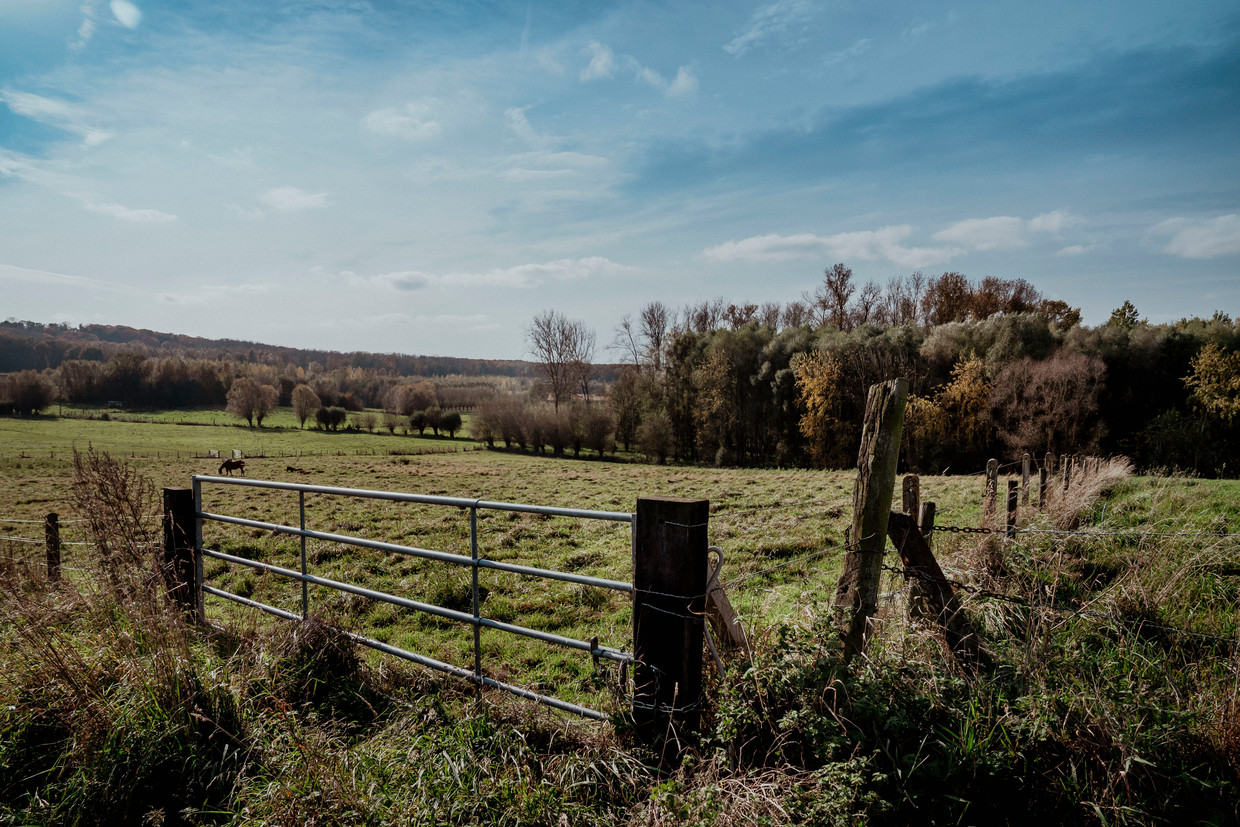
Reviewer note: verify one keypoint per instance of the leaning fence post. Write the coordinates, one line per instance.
(180, 557)
(856, 594)
(669, 603)
(51, 538)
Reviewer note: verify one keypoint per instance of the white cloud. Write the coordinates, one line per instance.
(126, 13)
(602, 62)
(868, 245)
(1003, 232)
(768, 23)
(1075, 250)
(408, 125)
(9, 272)
(998, 233)
(126, 214)
(520, 276)
(1201, 238)
(292, 199)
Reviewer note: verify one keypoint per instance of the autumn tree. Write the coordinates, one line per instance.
(1215, 383)
(818, 377)
(305, 403)
(965, 402)
(251, 400)
(624, 400)
(26, 392)
(948, 298)
(451, 422)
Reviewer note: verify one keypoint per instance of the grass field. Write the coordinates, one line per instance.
(1111, 698)
(195, 434)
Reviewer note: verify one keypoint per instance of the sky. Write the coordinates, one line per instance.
(426, 177)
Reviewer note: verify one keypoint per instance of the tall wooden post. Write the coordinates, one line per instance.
(856, 594)
(911, 495)
(669, 604)
(1025, 460)
(51, 539)
(992, 489)
(1042, 488)
(1011, 510)
(180, 563)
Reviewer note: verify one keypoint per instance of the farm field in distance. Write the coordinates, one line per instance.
(1147, 589)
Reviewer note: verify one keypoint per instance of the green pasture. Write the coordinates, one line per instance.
(196, 433)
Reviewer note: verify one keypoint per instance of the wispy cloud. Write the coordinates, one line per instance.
(123, 213)
(9, 272)
(519, 276)
(867, 245)
(843, 55)
(410, 123)
(56, 113)
(292, 199)
(602, 62)
(769, 23)
(1201, 238)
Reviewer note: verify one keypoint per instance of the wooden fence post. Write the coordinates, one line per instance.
(1011, 510)
(1042, 488)
(669, 603)
(856, 594)
(992, 489)
(180, 558)
(51, 539)
(926, 521)
(1066, 462)
(911, 500)
(1024, 479)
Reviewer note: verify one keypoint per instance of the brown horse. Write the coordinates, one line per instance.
(231, 465)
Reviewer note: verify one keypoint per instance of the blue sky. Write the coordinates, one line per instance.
(425, 177)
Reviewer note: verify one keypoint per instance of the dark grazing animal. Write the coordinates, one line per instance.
(231, 465)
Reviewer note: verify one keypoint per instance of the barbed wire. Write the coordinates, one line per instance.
(958, 529)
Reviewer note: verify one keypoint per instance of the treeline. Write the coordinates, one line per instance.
(134, 381)
(28, 345)
(995, 369)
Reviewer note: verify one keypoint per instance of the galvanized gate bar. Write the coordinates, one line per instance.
(413, 551)
(423, 660)
(426, 499)
(438, 611)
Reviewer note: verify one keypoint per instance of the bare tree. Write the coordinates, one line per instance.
(656, 321)
(769, 315)
(564, 350)
(796, 314)
(866, 309)
(829, 301)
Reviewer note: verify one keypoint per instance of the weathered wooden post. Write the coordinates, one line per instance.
(180, 557)
(669, 603)
(1067, 472)
(1011, 510)
(992, 490)
(1025, 460)
(911, 499)
(926, 521)
(51, 539)
(856, 594)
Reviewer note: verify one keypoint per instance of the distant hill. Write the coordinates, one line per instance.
(28, 345)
